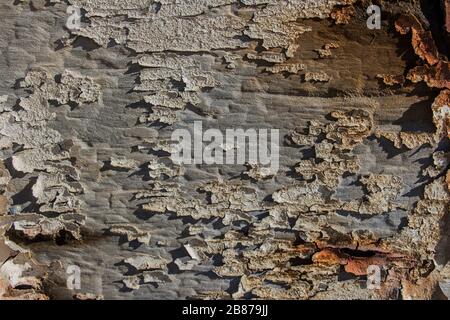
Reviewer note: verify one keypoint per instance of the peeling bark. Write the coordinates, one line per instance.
(87, 178)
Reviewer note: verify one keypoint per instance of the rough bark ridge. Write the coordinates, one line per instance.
(86, 177)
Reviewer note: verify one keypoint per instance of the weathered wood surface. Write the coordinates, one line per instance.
(87, 180)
